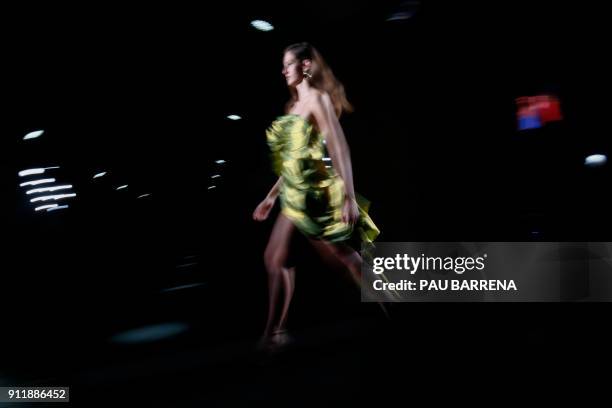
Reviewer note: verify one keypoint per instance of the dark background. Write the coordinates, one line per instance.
(143, 93)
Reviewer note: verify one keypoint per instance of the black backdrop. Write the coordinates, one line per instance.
(143, 92)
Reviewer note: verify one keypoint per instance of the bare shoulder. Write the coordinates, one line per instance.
(323, 96)
(320, 99)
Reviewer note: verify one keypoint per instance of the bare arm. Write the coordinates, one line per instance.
(263, 209)
(275, 189)
(337, 146)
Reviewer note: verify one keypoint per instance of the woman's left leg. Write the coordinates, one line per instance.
(348, 257)
(338, 253)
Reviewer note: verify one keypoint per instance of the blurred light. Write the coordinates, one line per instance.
(399, 16)
(150, 333)
(326, 159)
(234, 117)
(121, 187)
(192, 285)
(45, 207)
(262, 25)
(536, 111)
(99, 174)
(144, 195)
(49, 189)
(211, 187)
(529, 122)
(52, 197)
(33, 135)
(328, 167)
(52, 167)
(29, 172)
(406, 10)
(36, 182)
(186, 265)
(220, 161)
(215, 176)
(595, 160)
(61, 207)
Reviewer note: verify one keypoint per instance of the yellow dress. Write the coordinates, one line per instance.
(312, 193)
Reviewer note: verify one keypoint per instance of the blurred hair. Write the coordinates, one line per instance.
(322, 77)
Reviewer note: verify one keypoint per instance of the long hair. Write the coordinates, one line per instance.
(322, 78)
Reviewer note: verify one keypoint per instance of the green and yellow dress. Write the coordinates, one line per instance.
(312, 193)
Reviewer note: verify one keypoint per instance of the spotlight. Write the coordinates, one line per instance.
(59, 207)
(262, 25)
(29, 172)
(48, 189)
(595, 160)
(33, 135)
(52, 197)
(45, 207)
(37, 182)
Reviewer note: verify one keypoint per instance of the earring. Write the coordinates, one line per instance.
(307, 74)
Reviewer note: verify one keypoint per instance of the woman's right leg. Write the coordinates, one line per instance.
(279, 276)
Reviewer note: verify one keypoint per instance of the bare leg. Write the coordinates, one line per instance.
(346, 256)
(340, 255)
(279, 277)
(289, 286)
